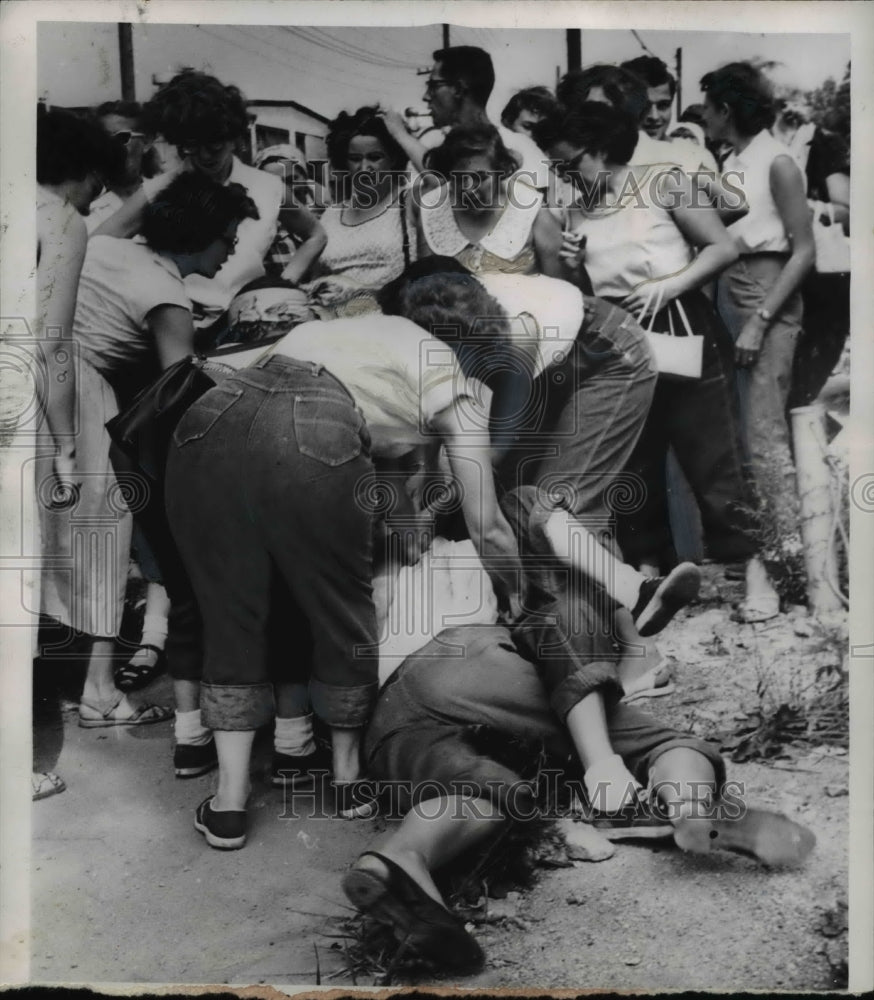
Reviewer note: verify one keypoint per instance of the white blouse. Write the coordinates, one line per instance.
(761, 230)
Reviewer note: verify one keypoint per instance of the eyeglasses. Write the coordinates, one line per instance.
(566, 167)
(125, 136)
(210, 148)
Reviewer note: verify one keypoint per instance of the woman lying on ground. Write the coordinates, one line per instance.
(641, 780)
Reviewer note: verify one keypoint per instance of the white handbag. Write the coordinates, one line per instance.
(679, 357)
(832, 246)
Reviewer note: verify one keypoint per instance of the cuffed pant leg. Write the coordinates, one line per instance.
(640, 739)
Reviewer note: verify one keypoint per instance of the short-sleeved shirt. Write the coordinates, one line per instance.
(398, 374)
(121, 283)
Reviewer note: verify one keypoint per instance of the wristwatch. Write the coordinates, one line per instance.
(765, 315)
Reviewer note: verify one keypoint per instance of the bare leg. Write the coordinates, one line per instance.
(686, 785)
(99, 688)
(639, 655)
(234, 749)
(433, 834)
(345, 744)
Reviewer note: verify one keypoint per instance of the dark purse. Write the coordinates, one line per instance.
(142, 431)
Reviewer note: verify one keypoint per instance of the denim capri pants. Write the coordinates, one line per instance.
(261, 485)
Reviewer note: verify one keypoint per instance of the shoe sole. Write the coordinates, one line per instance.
(121, 723)
(220, 843)
(367, 892)
(194, 772)
(679, 587)
(769, 838)
(635, 833)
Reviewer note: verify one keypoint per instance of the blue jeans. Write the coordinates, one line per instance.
(763, 390)
(261, 485)
(587, 412)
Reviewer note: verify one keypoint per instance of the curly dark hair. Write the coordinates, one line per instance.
(538, 100)
(70, 146)
(622, 89)
(463, 143)
(594, 127)
(440, 295)
(364, 121)
(197, 108)
(746, 91)
(192, 211)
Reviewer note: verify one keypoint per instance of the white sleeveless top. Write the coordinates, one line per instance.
(634, 240)
(369, 252)
(508, 248)
(761, 230)
(254, 236)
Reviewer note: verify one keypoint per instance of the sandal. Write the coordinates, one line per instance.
(418, 920)
(95, 717)
(46, 783)
(133, 676)
(753, 610)
(655, 683)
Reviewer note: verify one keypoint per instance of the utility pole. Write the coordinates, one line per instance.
(679, 59)
(126, 62)
(574, 49)
(445, 36)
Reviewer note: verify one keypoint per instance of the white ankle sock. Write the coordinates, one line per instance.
(626, 586)
(294, 736)
(154, 630)
(189, 729)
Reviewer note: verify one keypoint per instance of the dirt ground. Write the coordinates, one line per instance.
(125, 890)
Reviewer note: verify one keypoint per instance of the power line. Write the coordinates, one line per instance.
(360, 52)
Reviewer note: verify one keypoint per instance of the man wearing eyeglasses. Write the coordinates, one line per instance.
(457, 91)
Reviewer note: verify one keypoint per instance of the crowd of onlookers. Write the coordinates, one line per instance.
(530, 315)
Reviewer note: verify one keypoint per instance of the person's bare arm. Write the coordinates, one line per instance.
(172, 328)
(728, 199)
(397, 129)
(63, 240)
(126, 222)
(788, 192)
(468, 452)
(701, 227)
(306, 227)
(548, 243)
(838, 187)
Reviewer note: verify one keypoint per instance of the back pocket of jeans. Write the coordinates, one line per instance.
(202, 416)
(327, 430)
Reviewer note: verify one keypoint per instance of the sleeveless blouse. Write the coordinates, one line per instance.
(369, 252)
(633, 241)
(508, 248)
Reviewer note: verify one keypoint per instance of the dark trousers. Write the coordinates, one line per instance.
(698, 419)
(824, 332)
